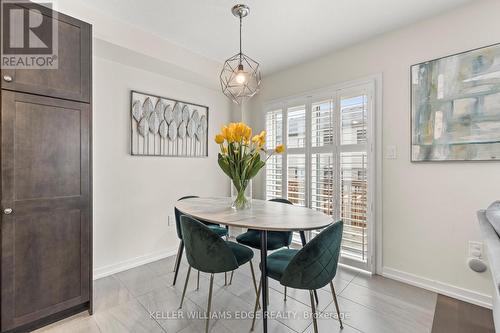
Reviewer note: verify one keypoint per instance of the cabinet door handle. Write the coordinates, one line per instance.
(7, 78)
(7, 211)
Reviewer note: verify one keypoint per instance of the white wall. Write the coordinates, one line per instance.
(428, 209)
(180, 63)
(134, 195)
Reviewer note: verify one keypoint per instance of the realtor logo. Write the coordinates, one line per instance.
(29, 35)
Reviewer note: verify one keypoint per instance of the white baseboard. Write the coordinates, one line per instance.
(462, 294)
(131, 263)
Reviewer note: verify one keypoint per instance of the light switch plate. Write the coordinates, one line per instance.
(391, 152)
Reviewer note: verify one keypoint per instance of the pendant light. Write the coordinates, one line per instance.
(240, 77)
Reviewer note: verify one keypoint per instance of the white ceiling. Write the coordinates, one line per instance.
(278, 33)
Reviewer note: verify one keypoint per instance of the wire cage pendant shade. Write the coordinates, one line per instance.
(240, 77)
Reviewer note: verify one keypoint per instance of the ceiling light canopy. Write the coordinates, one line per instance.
(240, 77)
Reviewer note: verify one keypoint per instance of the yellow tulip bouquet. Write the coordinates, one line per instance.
(240, 158)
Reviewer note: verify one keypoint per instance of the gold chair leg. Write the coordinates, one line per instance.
(256, 305)
(336, 304)
(198, 281)
(313, 308)
(176, 258)
(209, 307)
(254, 283)
(185, 287)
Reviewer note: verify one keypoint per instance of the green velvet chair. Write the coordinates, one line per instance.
(209, 253)
(275, 239)
(221, 231)
(310, 268)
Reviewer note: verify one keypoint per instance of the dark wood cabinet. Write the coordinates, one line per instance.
(46, 186)
(45, 165)
(71, 79)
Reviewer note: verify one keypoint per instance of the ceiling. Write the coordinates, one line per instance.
(278, 33)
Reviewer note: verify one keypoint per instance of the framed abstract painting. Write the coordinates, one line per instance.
(455, 107)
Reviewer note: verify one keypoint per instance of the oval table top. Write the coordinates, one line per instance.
(263, 215)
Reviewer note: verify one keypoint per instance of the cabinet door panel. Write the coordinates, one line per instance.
(72, 79)
(45, 175)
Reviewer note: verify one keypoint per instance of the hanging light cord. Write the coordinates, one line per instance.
(241, 20)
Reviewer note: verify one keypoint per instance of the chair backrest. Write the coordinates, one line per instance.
(315, 265)
(285, 201)
(288, 235)
(205, 250)
(178, 214)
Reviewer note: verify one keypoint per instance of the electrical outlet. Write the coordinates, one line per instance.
(475, 249)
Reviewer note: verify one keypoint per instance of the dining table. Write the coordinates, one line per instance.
(261, 215)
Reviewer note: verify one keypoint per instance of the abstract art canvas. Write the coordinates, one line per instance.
(455, 107)
(167, 127)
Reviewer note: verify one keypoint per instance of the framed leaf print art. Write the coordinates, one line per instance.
(455, 107)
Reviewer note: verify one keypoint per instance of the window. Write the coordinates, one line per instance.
(297, 127)
(274, 174)
(326, 163)
(296, 184)
(274, 177)
(274, 129)
(322, 123)
(322, 169)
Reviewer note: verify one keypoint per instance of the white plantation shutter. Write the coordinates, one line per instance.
(322, 123)
(274, 165)
(296, 182)
(354, 203)
(322, 170)
(274, 177)
(274, 128)
(353, 175)
(296, 127)
(326, 163)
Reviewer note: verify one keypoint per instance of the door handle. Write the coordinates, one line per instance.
(7, 78)
(7, 211)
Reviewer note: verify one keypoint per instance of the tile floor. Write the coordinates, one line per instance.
(143, 300)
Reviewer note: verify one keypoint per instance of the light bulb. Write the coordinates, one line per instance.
(241, 77)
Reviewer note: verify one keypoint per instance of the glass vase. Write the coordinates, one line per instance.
(241, 199)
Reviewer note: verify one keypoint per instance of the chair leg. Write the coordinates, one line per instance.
(254, 283)
(185, 287)
(285, 294)
(178, 260)
(225, 278)
(253, 277)
(313, 308)
(177, 257)
(209, 301)
(256, 305)
(231, 279)
(198, 281)
(336, 304)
